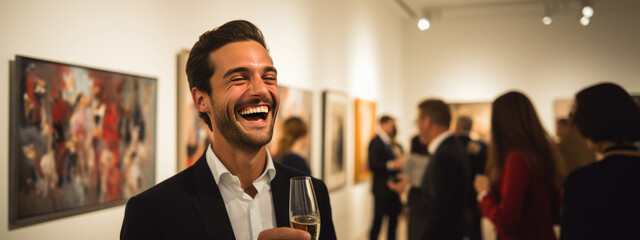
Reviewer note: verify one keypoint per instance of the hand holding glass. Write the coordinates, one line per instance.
(303, 207)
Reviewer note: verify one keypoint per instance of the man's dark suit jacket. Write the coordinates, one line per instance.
(478, 161)
(446, 197)
(189, 206)
(379, 155)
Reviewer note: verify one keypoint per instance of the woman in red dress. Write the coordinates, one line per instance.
(521, 194)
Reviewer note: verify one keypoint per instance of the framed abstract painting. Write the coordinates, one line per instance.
(81, 139)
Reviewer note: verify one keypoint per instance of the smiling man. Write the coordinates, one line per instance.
(235, 190)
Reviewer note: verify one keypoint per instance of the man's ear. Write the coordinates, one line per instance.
(200, 100)
(426, 121)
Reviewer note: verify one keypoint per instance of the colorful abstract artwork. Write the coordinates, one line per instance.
(81, 139)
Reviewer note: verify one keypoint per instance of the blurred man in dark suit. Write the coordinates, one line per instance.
(446, 189)
(385, 160)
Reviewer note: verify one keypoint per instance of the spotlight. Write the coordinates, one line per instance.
(546, 20)
(587, 11)
(423, 24)
(585, 20)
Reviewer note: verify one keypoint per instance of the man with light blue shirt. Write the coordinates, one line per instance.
(235, 190)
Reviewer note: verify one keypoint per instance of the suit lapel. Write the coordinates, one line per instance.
(280, 196)
(209, 205)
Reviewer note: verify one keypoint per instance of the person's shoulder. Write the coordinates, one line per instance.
(584, 174)
(609, 165)
(375, 139)
(452, 141)
(451, 147)
(180, 182)
(287, 171)
(290, 156)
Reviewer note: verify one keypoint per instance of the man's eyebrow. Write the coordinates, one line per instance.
(244, 69)
(270, 69)
(235, 70)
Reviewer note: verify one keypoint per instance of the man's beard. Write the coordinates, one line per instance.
(237, 137)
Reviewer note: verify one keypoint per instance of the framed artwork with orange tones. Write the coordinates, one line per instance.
(81, 139)
(193, 134)
(365, 119)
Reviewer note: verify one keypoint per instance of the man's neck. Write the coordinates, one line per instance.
(244, 164)
(385, 137)
(436, 132)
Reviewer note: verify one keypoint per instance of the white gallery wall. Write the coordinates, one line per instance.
(349, 46)
(476, 54)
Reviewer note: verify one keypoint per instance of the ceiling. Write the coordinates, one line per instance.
(463, 3)
(417, 7)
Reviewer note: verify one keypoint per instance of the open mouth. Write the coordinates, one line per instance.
(255, 113)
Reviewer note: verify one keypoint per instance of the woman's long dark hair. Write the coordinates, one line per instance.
(515, 126)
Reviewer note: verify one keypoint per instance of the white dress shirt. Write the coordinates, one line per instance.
(248, 216)
(387, 141)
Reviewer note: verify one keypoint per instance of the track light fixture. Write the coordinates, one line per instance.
(587, 13)
(423, 24)
(546, 20)
(584, 20)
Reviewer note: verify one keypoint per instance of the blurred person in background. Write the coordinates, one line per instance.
(293, 145)
(521, 194)
(446, 194)
(477, 152)
(385, 161)
(601, 199)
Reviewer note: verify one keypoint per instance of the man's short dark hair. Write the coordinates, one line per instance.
(385, 118)
(437, 110)
(464, 123)
(200, 68)
(606, 112)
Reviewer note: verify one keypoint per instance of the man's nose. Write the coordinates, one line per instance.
(258, 87)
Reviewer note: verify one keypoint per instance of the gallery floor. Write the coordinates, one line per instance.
(488, 231)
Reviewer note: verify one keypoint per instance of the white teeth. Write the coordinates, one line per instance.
(261, 109)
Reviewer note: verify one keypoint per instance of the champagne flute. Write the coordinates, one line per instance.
(303, 207)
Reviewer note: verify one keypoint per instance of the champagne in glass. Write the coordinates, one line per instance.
(303, 207)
